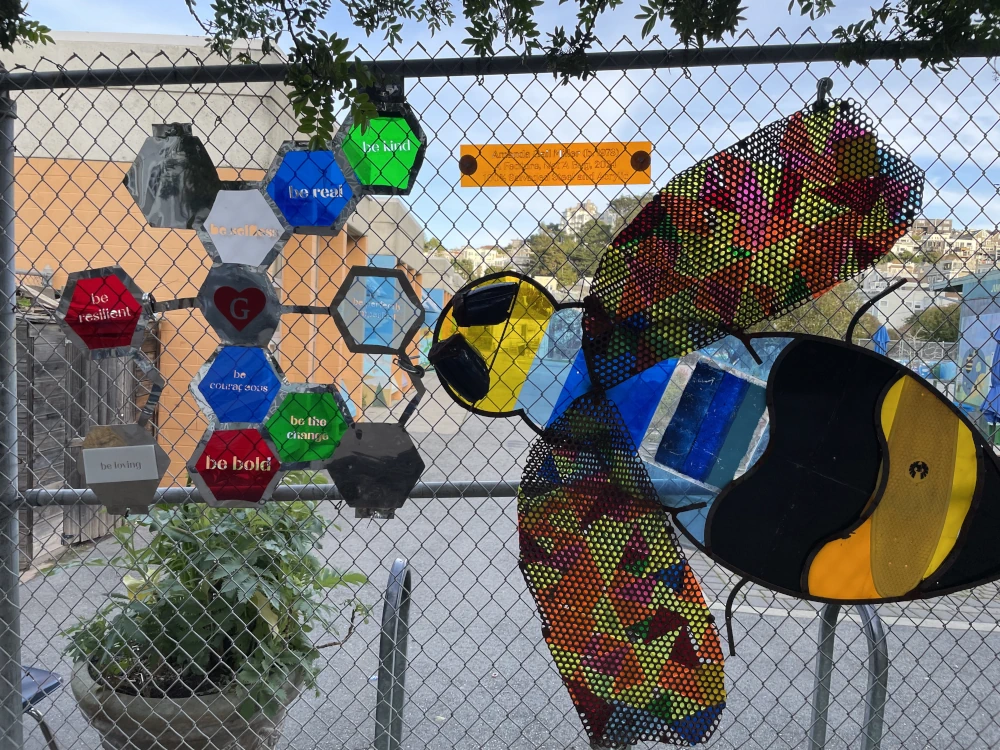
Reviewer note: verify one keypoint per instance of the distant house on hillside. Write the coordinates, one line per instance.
(929, 226)
(906, 245)
(520, 254)
(963, 244)
(935, 243)
(576, 217)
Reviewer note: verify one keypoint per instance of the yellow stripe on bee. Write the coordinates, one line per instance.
(962, 490)
(932, 479)
(922, 437)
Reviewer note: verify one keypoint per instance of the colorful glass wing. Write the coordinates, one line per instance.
(747, 235)
(622, 613)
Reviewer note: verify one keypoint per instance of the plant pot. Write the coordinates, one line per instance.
(204, 722)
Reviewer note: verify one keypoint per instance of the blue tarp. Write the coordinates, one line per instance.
(881, 340)
(991, 406)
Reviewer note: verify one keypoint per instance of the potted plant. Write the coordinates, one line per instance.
(212, 638)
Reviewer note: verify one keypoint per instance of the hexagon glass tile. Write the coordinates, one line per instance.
(377, 312)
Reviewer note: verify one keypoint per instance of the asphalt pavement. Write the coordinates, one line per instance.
(480, 676)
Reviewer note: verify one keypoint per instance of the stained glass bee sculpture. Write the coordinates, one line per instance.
(799, 456)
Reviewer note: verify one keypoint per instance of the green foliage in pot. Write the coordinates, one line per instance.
(216, 599)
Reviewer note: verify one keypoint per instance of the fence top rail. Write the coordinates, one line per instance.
(766, 54)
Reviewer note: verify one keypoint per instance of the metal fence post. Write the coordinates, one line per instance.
(392, 658)
(11, 726)
(824, 674)
(26, 516)
(878, 677)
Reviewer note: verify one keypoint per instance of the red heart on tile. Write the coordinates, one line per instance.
(240, 307)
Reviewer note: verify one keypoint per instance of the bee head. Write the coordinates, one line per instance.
(487, 339)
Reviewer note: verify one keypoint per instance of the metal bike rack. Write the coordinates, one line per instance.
(878, 677)
(392, 658)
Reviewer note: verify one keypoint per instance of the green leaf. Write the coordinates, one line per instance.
(248, 709)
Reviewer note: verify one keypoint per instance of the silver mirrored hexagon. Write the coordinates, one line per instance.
(375, 467)
(315, 191)
(173, 179)
(244, 226)
(103, 311)
(235, 466)
(123, 465)
(377, 310)
(240, 304)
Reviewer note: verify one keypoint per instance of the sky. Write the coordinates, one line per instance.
(172, 17)
(946, 124)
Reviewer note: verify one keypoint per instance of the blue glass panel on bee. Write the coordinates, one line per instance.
(709, 425)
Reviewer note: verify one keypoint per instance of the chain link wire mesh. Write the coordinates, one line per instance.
(479, 674)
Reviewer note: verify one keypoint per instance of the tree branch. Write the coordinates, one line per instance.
(350, 630)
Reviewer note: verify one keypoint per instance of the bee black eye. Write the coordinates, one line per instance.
(487, 305)
(461, 367)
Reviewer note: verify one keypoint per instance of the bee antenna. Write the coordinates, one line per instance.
(745, 340)
(849, 336)
(729, 613)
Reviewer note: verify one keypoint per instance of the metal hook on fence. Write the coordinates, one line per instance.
(417, 372)
(823, 88)
(404, 364)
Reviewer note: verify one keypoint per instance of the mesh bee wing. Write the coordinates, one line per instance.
(621, 610)
(747, 235)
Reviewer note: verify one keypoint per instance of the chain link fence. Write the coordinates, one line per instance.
(479, 674)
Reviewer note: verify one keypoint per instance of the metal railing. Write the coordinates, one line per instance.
(878, 677)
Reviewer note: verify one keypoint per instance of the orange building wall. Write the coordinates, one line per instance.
(73, 215)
